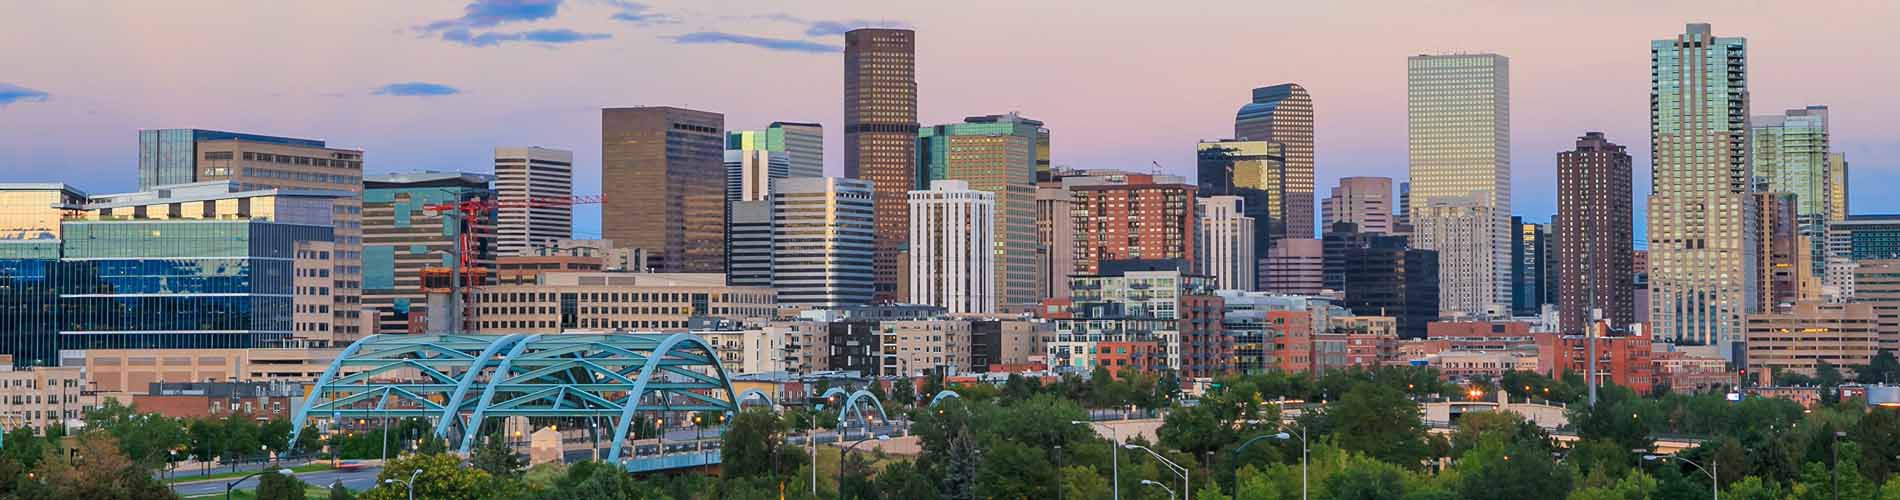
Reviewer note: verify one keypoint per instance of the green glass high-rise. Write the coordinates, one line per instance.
(802, 143)
(997, 154)
(1790, 152)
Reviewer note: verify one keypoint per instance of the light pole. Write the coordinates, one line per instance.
(410, 484)
(841, 455)
(233, 484)
(1303, 456)
(1177, 468)
(1114, 456)
(1834, 469)
(1164, 487)
(1715, 482)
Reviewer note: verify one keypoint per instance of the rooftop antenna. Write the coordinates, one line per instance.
(1157, 169)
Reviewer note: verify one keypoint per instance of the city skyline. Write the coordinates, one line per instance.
(72, 110)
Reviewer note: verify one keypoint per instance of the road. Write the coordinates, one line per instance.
(355, 480)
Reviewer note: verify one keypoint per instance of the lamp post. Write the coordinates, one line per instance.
(1177, 468)
(1114, 456)
(233, 484)
(841, 455)
(410, 484)
(1715, 483)
(1164, 487)
(1303, 457)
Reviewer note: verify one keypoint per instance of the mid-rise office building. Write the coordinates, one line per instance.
(1459, 152)
(822, 241)
(1461, 230)
(525, 269)
(801, 144)
(952, 254)
(613, 257)
(1004, 345)
(919, 347)
(1283, 114)
(202, 265)
(1790, 154)
(1129, 304)
(1781, 252)
(1055, 238)
(667, 188)
(1808, 334)
(1120, 216)
(534, 192)
(1226, 243)
(403, 236)
(1865, 237)
(1877, 280)
(607, 302)
(1533, 267)
(880, 135)
(1363, 201)
(1381, 275)
(749, 243)
(1701, 244)
(257, 162)
(1595, 234)
(1255, 171)
(30, 216)
(1295, 266)
(995, 154)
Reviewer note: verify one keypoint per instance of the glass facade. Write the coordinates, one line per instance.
(178, 284)
(29, 302)
(169, 156)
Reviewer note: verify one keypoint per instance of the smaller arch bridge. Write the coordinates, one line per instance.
(461, 381)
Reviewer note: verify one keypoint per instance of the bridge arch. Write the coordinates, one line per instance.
(941, 395)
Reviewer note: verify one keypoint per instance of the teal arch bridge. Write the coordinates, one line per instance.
(465, 382)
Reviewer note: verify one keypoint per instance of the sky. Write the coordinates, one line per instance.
(435, 85)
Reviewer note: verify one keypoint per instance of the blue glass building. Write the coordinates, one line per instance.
(170, 284)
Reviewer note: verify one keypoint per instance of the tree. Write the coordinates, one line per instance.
(338, 492)
(1884, 368)
(753, 445)
(1378, 421)
(97, 470)
(1366, 481)
(1013, 470)
(904, 481)
(1080, 481)
(442, 478)
(1516, 471)
(274, 486)
(496, 458)
(904, 393)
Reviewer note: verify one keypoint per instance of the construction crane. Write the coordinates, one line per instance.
(460, 212)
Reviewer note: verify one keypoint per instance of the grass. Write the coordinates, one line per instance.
(310, 467)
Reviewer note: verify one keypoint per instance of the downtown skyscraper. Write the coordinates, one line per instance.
(1284, 114)
(1702, 249)
(534, 186)
(995, 154)
(1459, 151)
(1790, 152)
(880, 136)
(1595, 233)
(665, 182)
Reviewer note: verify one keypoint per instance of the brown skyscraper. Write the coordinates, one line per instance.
(1284, 114)
(664, 175)
(1594, 234)
(880, 135)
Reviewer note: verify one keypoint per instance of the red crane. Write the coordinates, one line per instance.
(461, 211)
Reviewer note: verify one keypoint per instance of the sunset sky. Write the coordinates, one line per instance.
(435, 85)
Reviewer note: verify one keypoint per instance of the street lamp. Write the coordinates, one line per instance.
(1114, 455)
(410, 484)
(841, 455)
(1715, 484)
(1303, 456)
(233, 484)
(1164, 487)
(1177, 468)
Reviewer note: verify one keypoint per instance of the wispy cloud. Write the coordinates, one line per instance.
(493, 38)
(489, 13)
(10, 93)
(417, 89)
(715, 37)
(839, 27)
(640, 14)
